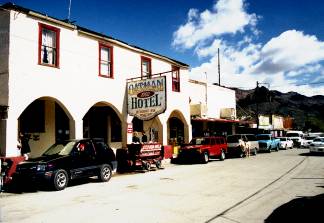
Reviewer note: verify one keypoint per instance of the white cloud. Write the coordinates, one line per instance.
(286, 62)
(310, 69)
(290, 51)
(246, 62)
(227, 16)
(210, 50)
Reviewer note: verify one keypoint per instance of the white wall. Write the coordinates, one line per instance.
(76, 84)
(217, 97)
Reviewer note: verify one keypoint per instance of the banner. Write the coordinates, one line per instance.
(146, 98)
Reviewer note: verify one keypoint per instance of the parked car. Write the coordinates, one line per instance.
(252, 143)
(239, 144)
(308, 140)
(202, 148)
(297, 137)
(317, 146)
(285, 143)
(268, 143)
(69, 160)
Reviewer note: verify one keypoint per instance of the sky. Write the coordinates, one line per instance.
(279, 43)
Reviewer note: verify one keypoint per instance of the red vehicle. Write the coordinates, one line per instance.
(144, 155)
(202, 148)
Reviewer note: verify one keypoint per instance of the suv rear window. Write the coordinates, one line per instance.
(251, 137)
(233, 138)
(292, 135)
(263, 137)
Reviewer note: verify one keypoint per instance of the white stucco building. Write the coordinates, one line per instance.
(213, 108)
(59, 81)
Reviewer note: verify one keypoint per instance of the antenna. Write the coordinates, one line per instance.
(69, 15)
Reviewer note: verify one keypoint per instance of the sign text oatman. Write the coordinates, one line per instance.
(146, 98)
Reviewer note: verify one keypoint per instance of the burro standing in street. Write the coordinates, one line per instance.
(23, 145)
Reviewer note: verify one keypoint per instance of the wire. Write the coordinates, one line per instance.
(283, 85)
(312, 83)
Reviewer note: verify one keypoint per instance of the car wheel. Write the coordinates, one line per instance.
(105, 173)
(205, 157)
(241, 154)
(158, 164)
(269, 150)
(222, 155)
(60, 179)
(146, 166)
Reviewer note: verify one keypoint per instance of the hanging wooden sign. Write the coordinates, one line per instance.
(146, 97)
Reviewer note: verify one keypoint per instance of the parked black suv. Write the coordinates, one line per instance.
(68, 160)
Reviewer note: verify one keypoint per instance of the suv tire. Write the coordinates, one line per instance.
(105, 173)
(205, 157)
(222, 155)
(60, 180)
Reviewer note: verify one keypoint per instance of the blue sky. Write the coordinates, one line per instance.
(280, 42)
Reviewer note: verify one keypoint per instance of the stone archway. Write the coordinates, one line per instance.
(45, 121)
(103, 121)
(177, 128)
(153, 129)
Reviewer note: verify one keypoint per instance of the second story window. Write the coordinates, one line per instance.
(175, 79)
(146, 68)
(105, 61)
(49, 45)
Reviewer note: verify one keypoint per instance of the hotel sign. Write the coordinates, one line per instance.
(146, 97)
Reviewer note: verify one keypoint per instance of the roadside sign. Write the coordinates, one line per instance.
(146, 97)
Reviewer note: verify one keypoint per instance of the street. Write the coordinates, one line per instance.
(234, 190)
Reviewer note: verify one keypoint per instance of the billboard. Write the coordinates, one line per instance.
(146, 97)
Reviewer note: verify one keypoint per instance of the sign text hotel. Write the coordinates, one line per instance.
(146, 98)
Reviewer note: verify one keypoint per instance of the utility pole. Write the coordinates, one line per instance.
(257, 104)
(69, 14)
(256, 92)
(206, 89)
(218, 67)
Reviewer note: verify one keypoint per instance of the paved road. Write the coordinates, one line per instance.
(235, 190)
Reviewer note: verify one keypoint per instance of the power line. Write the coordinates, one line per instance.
(284, 85)
(303, 84)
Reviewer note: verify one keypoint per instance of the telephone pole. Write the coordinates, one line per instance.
(257, 105)
(69, 13)
(218, 67)
(256, 97)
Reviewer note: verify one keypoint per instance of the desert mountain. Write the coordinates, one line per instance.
(307, 112)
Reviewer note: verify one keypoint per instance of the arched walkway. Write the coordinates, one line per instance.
(45, 121)
(103, 120)
(177, 128)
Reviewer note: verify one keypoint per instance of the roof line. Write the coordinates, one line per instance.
(65, 23)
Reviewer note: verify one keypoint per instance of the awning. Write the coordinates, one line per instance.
(220, 120)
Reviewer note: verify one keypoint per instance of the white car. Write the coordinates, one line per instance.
(285, 143)
(308, 140)
(297, 137)
(317, 146)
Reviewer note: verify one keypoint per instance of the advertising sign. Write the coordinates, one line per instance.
(146, 97)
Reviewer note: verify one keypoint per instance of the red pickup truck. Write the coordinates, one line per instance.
(202, 148)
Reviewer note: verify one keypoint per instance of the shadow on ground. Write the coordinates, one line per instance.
(311, 154)
(303, 209)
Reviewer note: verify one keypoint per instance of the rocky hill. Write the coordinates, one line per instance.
(307, 112)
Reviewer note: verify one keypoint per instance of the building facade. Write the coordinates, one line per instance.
(213, 109)
(59, 81)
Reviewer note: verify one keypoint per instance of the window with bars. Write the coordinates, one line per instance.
(49, 42)
(105, 61)
(175, 79)
(146, 67)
